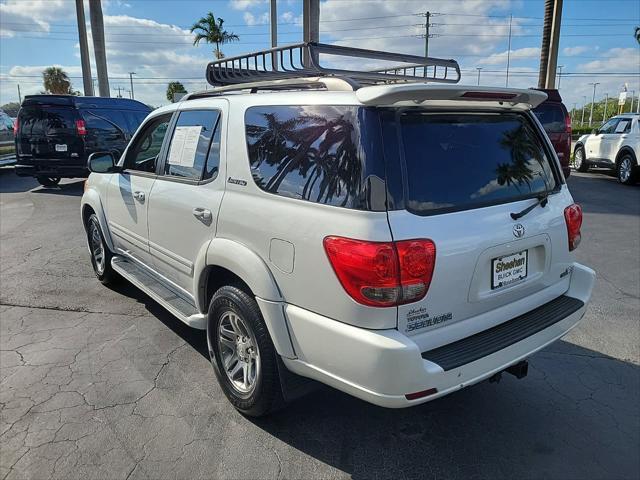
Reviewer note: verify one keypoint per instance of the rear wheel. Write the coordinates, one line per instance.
(626, 170)
(100, 254)
(48, 181)
(242, 353)
(579, 160)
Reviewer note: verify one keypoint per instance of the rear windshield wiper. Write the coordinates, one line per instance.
(542, 201)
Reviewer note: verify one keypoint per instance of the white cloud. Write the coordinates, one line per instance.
(577, 50)
(290, 17)
(251, 19)
(500, 58)
(245, 4)
(33, 16)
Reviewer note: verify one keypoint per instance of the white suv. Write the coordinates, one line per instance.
(397, 242)
(615, 145)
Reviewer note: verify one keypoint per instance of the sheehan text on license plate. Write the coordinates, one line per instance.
(509, 269)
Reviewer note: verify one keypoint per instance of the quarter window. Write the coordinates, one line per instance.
(320, 153)
(191, 148)
(143, 153)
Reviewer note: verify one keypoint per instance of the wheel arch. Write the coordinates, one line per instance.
(232, 263)
(91, 203)
(621, 153)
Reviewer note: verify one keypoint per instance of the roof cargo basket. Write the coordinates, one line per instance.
(307, 59)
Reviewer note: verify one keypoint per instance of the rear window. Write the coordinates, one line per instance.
(113, 121)
(319, 153)
(460, 161)
(551, 117)
(47, 120)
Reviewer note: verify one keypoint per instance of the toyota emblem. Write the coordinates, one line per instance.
(518, 230)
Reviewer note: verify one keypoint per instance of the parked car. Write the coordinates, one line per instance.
(615, 145)
(556, 121)
(397, 242)
(55, 134)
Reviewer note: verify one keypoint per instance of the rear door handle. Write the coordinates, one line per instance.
(139, 196)
(203, 214)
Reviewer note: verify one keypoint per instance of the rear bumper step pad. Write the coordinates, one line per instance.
(501, 336)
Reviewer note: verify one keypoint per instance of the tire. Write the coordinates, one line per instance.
(626, 170)
(100, 254)
(48, 181)
(236, 313)
(579, 159)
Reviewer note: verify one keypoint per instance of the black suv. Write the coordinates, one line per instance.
(55, 134)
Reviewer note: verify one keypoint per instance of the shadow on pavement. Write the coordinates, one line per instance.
(75, 189)
(11, 183)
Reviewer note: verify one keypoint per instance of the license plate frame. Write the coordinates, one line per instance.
(514, 268)
(61, 147)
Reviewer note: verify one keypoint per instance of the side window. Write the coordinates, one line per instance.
(99, 123)
(610, 126)
(624, 126)
(144, 150)
(191, 145)
(323, 154)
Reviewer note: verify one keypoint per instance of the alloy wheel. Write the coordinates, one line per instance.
(97, 248)
(239, 352)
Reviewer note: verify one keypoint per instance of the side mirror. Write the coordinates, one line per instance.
(102, 162)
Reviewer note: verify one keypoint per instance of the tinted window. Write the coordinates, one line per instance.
(190, 144)
(458, 161)
(100, 122)
(551, 117)
(145, 147)
(47, 120)
(324, 154)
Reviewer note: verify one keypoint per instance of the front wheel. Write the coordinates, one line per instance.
(48, 181)
(626, 170)
(100, 254)
(579, 160)
(242, 353)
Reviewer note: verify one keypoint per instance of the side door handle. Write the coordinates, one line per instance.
(138, 195)
(203, 214)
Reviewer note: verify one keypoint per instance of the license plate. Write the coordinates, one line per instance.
(61, 148)
(509, 269)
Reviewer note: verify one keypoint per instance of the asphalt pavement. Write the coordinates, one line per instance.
(101, 383)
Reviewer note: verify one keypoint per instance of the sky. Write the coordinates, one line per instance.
(152, 39)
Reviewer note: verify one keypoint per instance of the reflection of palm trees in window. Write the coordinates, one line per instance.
(319, 148)
(523, 147)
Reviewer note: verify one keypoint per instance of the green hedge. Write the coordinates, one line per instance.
(578, 131)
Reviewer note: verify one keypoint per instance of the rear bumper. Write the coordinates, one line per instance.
(51, 169)
(382, 366)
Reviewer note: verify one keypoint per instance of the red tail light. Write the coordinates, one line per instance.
(81, 127)
(573, 218)
(382, 274)
(490, 95)
(567, 124)
(16, 127)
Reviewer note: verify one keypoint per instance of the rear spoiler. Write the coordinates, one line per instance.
(390, 94)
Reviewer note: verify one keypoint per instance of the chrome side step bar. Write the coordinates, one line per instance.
(178, 306)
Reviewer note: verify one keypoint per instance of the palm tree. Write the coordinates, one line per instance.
(56, 81)
(210, 30)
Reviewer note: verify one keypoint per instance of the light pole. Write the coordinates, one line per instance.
(606, 103)
(573, 112)
(584, 105)
(478, 68)
(131, 74)
(633, 93)
(593, 99)
(559, 75)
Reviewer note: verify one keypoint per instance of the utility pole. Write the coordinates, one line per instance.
(310, 25)
(84, 49)
(554, 45)
(274, 33)
(119, 94)
(593, 99)
(560, 67)
(19, 94)
(97, 32)
(606, 103)
(633, 96)
(426, 37)
(584, 105)
(509, 50)
(546, 39)
(478, 68)
(573, 112)
(131, 74)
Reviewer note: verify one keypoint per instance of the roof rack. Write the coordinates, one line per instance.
(304, 60)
